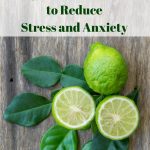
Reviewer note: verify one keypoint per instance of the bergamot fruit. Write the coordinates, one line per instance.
(105, 69)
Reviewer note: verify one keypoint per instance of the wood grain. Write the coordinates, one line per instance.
(15, 51)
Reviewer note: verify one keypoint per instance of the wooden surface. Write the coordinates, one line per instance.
(15, 51)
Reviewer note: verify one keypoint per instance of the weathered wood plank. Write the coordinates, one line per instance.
(15, 51)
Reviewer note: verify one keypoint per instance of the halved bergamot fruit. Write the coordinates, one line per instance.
(73, 108)
(117, 117)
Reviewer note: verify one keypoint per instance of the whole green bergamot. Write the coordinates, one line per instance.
(105, 69)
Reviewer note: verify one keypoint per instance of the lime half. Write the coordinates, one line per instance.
(117, 117)
(73, 108)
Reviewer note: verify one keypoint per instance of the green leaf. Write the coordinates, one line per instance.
(134, 95)
(27, 109)
(99, 99)
(94, 127)
(59, 138)
(95, 97)
(54, 92)
(119, 145)
(73, 76)
(87, 146)
(101, 143)
(42, 71)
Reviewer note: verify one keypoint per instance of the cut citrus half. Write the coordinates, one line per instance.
(73, 108)
(117, 117)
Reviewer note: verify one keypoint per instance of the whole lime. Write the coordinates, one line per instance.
(105, 69)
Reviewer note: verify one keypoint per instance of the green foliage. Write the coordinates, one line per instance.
(102, 143)
(59, 138)
(87, 146)
(54, 92)
(45, 72)
(42, 71)
(73, 76)
(27, 109)
(99, 99)
(94, 126)
(134, 95)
